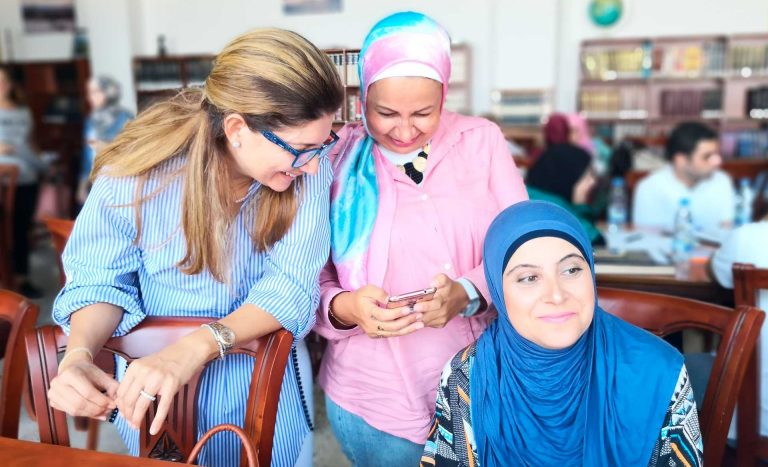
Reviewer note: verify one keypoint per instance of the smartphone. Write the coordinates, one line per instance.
(409, 298)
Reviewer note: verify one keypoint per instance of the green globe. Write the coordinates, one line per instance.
(605, 12)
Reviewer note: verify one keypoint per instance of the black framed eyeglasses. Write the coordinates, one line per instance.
(301, 158)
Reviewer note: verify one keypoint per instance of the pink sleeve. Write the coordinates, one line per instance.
(329, 288)
(506, 185)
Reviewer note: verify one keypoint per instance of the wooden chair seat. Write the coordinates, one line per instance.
(20, 316)
(178, 434)
(739, 330)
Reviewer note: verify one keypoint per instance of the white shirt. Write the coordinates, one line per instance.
(657, 196)
(747, 244)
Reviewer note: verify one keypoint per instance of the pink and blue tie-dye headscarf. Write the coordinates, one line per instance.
(405, 37)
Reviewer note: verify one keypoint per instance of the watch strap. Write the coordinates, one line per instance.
(474, 297)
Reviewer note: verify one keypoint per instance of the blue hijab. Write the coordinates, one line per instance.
(601, 401)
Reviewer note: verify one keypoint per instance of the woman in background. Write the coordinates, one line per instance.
(564, 175)
(107, 119)
(415, 188)
(555, 380)
(16, 149)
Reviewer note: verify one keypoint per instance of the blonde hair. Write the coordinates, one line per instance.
(273, 79)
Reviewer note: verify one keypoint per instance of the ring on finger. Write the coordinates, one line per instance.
(147, 395)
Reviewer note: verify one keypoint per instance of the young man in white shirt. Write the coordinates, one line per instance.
(693, 152)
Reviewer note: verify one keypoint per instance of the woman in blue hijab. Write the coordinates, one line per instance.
(555, 380)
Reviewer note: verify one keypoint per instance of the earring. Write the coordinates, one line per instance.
(236, 144)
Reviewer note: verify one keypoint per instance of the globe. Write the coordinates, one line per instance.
(605, 13)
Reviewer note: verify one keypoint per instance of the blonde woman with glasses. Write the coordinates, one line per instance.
(213, 203)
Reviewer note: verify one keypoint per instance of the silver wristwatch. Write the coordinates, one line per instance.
(224, 337)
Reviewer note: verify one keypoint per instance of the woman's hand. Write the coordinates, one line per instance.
(7, 149)
(449, 300)
(161, 375)
(83, 389)
(361, 307)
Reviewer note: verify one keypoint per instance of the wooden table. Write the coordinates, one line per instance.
(15, 453)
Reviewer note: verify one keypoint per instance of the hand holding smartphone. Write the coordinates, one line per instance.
(410, 298)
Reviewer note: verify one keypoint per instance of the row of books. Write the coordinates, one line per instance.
(754, 57)
(520, 107)
(152, 76)
(691, 103)
(346, 66)
(744, 143)
(757, 103)
(690, 60)
(610, 102)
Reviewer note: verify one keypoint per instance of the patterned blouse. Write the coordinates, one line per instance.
(451, 440)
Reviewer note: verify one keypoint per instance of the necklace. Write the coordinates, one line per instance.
(415, 168)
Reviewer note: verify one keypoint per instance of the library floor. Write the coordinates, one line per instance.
(46, 276)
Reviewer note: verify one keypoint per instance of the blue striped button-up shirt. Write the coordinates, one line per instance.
(103, 263)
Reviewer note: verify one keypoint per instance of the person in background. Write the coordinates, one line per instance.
(106, 120)
(746, 244)
(213, 203)
(16, 128)
(555, 380)
(582, 136)
(415, 188)
(564, 175)
(692, 152)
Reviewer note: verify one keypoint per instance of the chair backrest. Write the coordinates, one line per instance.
(747, 283)
(60, 229)
(178, 434)
(18, 316)
(740, 328)
(9, 175)
(631, 179)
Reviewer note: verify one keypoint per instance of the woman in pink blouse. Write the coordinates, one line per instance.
(415, 189)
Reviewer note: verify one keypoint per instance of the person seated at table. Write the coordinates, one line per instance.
(694, 157)
(563, 175)
(555, 380)
(746, 244)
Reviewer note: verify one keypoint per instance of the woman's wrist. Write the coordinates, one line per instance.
(338, 311)
(200, 345)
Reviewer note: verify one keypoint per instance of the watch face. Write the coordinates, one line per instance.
(227, 335)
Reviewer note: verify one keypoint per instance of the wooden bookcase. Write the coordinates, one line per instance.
(643, 87)
(158, 78)
(55, 92)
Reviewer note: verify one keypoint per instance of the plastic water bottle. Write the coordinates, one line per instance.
(745, 199)
(617, 206)
(683, 240)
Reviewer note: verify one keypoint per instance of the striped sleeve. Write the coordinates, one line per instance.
(289, 289)
(101, 261)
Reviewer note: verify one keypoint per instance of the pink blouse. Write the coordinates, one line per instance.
(420, 231)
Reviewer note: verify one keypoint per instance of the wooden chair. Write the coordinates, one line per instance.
(178, 434)
(18, 315)
(739, 330)
(9, 175)
(59, 230)
(747, 282)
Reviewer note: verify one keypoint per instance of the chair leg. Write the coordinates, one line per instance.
(92, 441)
(748, 418)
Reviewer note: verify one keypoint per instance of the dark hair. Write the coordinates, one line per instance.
(17, 95)
(685, 137)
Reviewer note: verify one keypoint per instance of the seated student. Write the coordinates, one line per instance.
(693, 154)
(747, 245)
(563, 175)
(555, 380)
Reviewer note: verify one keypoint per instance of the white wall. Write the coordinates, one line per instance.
(516, 43)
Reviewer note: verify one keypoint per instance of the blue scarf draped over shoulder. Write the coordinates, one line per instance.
(600, 402)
